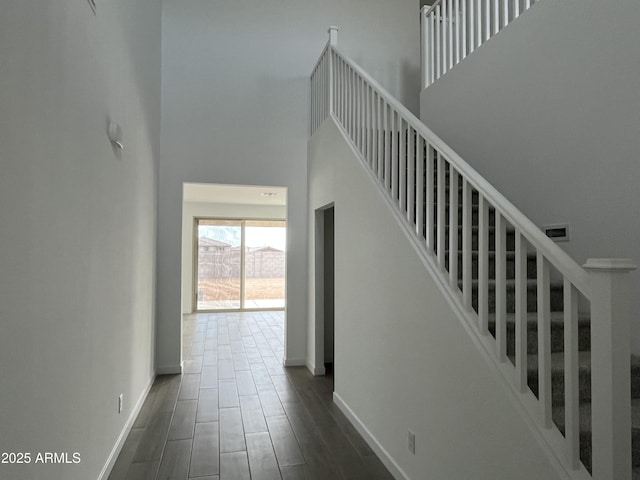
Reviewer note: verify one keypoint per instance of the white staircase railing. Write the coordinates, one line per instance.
(452, 29)
(411, 165)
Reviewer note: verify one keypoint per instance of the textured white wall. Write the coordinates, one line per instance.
(192, 210)
(548, 111)
(402, 359)
(77, 235)
(235, 109)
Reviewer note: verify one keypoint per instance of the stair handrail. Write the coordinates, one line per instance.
(452, 29)
(383, 131)
(570, 267)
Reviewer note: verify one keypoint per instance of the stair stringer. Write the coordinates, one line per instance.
(550, 439)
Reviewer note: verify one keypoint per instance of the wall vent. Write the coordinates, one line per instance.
(558, 232)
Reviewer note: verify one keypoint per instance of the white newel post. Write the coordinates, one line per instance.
(333, 42)
(610, 363)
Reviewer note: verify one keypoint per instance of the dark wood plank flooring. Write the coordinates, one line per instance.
(237, 413)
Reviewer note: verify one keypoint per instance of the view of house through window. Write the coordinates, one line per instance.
(240, 264)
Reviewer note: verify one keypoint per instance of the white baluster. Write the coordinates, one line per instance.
(505, 13)
(458, 21)
(354, 107)
(419, 186)
(516, 9)
(521, 312)
(340, 90)
(610, 364)
(463, 18)
(430, 220)
(571, 376)
(374, 136)
(501, 293)
(438, 21)
(402, 164)
(360, 107)
(424, 36)
(487, 19)
(432, 48)
(387, 145)
(372, 131)
(322, 85)
(411, 157)
(380, 106)
(394, 156)
(544, 340)
(442, 219)
(453, 228)
(472, 26)
(483, 264)
(467, 246)
(479, 23)
(366, 144)
(443, 23)
(496, 16)
(313, 107)
(450, 21)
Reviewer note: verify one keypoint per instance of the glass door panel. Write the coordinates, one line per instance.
(219, 273)
(265, 246)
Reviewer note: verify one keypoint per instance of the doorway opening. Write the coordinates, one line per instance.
(225, 214)
(324, 289)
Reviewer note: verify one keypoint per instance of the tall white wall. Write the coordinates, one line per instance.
(193, 210)
(402, 358)
(548, 112)
(235, 109)
(77, 226)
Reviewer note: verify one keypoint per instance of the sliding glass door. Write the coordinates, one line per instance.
(239, 264)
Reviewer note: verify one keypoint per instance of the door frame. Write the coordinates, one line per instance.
(319, 290)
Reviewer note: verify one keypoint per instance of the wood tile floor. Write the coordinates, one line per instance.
(237, 413)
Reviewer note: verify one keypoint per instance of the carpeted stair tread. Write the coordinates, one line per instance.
(585, 416)
(584, 363)
(557, 332)
(557, 362)
(585, 428)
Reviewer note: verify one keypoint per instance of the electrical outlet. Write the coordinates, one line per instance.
(120, 402)
(412, 442)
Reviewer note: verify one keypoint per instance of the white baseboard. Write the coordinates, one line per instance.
(294, 362)
(315, 370)
(169, 369)
(115, 451)
(384, 456)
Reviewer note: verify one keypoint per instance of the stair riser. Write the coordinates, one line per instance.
(586, 448)
(556, 299)
(510, 266)
(557, 337)
(510, 240)
(557, 385)
(474, 215)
